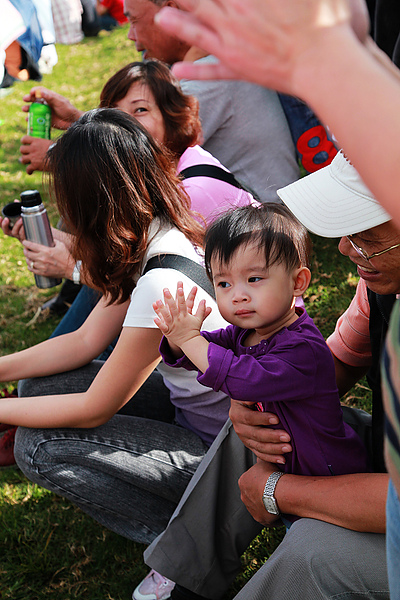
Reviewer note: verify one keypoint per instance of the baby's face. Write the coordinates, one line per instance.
(252, 296)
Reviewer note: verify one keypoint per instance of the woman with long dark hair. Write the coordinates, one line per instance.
(150, 93)
(119, 195)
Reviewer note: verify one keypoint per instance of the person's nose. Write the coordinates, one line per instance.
(239, 294)
(345, 247)
(132, 33)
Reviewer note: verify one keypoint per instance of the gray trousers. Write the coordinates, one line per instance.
(128, 474)
(211, 528)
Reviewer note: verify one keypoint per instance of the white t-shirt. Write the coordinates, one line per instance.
(198, 408)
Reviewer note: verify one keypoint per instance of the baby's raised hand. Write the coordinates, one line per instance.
(175, 318)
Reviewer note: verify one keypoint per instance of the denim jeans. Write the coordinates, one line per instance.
(129, 473)
(107, 22)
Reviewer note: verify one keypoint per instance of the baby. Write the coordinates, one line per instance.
(272, 354)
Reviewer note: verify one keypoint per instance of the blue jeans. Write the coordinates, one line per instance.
(393, 541)
(107, 22)
(129, 473)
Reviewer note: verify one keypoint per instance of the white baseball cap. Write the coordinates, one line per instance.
(334, 201)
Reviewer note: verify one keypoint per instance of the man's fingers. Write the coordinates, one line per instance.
(188, 70)
(187, 27)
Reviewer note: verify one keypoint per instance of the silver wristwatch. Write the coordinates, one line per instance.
(76, 273)
(268, 495)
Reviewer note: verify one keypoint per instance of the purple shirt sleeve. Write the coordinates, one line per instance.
(262, 377)
(263, 373)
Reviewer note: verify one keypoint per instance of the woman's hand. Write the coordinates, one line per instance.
(55, 261)
(17, 231)
(251, 426)
(63, 113)
(33, 153)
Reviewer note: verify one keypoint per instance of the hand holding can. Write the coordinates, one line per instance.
(39, 118)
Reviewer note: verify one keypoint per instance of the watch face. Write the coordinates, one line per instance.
(270, 505)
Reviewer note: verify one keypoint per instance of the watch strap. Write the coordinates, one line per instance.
(269, 490)
(76, 273)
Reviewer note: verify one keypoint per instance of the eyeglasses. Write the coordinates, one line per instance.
(366, 256)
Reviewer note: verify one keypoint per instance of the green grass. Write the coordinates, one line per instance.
(49, 548)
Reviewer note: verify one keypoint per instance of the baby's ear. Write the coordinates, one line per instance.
(302, 280)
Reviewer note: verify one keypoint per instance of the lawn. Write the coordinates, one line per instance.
(50, 549)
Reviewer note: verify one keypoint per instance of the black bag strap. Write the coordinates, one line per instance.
(215, 172)
(188, 267)
(212, 171)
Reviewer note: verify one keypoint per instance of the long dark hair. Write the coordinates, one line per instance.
(180, 111)
(272, 227)
(110, 180)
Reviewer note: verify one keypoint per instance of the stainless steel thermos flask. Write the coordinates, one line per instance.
(37, 229)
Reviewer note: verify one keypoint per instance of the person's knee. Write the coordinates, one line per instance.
(299, 546)
(25, 445)
(326, 558)
(310, 545)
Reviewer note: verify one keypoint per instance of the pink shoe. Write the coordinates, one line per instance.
(153, 587)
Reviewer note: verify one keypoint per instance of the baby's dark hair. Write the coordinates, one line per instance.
(272, 227)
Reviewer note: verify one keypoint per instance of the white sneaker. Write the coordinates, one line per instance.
(153, 587)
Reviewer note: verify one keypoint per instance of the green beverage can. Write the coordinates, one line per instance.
(39, 119)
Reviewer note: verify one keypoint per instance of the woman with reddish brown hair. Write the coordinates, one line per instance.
(118, 193)
(150, 93)
(179, 111)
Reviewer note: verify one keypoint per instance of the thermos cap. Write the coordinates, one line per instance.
(30, 198)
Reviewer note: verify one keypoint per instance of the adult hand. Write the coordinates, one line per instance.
(33, 153)
(17, 231)
(252, 484)
(63, 113)
(55, 261)
(252, 428)
(262, 41)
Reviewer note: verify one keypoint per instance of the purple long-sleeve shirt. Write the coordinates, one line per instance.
(292, 374)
